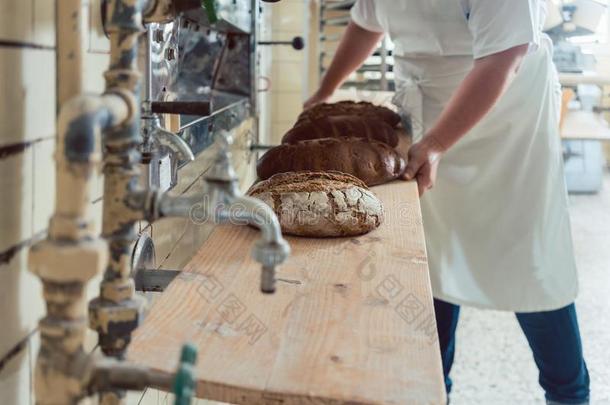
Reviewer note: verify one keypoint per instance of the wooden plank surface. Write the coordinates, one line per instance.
(585, 125)
(574, 79)
(352, 321)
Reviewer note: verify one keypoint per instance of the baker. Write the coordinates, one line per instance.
(477, 79)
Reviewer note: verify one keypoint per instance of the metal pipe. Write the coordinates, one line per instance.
(181, 207)
(70, 30)
(155, 134)
(111, 374)
(237, 210)
(272, 249)
(80, 125)
(72, 254)
(172, 141)
(244, 210)
(116, 312)
(223, 203)
(223, 206)
(148, 65)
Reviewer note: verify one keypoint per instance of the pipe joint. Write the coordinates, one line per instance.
(122, 78)
(81, 122)
(144, 203)
(125, 16)
(61, 378)
(68, 261)
(130, 101)
(114, 322)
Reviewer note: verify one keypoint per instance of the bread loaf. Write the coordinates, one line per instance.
(372, 162)
(320, 204)
(342, 126)
(342, 108)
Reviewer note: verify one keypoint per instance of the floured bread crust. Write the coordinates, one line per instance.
(320, 204)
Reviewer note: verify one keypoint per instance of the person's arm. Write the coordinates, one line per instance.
(356, 45)
(473, 99)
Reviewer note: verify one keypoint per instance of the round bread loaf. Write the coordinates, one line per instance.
(372, 162)
(320, 204)
(361, 109)
(342, 126)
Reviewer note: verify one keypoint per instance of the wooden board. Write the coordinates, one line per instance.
(574, 79)
(585, 125)
(352, 321)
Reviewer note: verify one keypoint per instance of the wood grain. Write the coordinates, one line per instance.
(352, 321)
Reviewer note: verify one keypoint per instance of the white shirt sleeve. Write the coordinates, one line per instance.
(498, 25)
(363, 15)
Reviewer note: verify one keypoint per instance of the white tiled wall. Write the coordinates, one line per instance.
(43, 191)
(289, 72)
(27, 177)
(16, 20)
(27, 85)
(16, 184)
(16, 379)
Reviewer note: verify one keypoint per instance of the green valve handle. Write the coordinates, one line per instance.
(184, 382)
(210, 9)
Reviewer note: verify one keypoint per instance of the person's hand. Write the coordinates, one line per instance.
(317, 98)
(424, 157)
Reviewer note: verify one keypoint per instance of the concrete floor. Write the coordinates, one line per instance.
(493, 363)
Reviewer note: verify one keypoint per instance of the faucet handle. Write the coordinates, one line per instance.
(184, 381)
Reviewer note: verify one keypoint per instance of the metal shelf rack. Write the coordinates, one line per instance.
(377, 72)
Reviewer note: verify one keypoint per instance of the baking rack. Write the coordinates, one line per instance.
(377, 73)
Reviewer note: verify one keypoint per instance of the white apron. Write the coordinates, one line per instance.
(497, 226)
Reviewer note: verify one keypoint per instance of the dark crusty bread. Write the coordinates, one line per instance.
(307, 181)
(372, 162)
(320, 204)
(342, 108)
(343, 126)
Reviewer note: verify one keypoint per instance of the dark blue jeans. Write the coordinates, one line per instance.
(554, 338)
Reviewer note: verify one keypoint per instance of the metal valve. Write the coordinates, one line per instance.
(210, 9)
(111, 373)
(163, 152)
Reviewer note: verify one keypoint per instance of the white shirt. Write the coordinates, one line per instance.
(496, 223)
(470, 27)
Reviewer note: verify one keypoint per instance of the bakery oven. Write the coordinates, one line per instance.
(200, 78)
(204, 72)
